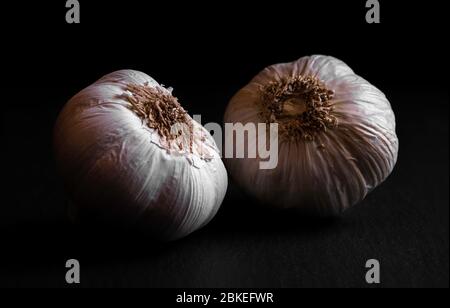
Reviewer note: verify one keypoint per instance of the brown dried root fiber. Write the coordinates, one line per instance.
(158, 109)
(300, 105)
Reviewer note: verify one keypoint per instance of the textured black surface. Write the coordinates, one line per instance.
(206, 58)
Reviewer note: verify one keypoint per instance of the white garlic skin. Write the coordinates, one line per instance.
(113, 167)
(341, 165)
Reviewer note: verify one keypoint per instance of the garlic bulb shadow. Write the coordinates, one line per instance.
(122, 162)
(336, 136)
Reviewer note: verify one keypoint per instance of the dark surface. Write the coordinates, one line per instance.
(206, 57)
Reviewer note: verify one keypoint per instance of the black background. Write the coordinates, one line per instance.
(207, 51)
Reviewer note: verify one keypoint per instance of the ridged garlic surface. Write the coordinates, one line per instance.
(336, 138)
(119, 161)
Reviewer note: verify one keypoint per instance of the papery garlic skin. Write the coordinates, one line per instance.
(342, 163)
(117, 168)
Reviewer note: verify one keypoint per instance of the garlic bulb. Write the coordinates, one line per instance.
(128, 152)
(336, 135)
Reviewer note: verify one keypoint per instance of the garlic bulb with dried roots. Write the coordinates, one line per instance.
(129, 153)
(336, 135)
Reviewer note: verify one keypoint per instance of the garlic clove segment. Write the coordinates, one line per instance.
(336, 135)
(129, 153)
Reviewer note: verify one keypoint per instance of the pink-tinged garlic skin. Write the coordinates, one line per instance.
(342, 164)
(117, 168)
